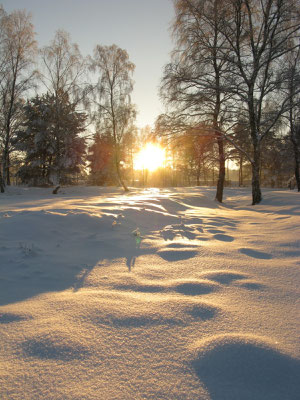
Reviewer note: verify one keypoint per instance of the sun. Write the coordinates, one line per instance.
(151, 157)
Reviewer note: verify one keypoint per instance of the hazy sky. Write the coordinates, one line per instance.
(142, 27)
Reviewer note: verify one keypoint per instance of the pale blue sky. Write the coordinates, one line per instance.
(142, 27)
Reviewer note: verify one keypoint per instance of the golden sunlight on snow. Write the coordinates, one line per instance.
(151, 157)
(204, 307)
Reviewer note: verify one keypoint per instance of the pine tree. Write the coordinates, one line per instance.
(50, 140)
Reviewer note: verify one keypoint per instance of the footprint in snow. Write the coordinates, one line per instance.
(203, 312)
(224, 277)
(54, 348)
(177, 255)
(8, 318)
(255, 254)
(195, 288)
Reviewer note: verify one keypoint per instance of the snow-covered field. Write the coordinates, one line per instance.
(206, 307)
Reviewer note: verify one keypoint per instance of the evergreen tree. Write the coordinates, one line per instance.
(50, 139)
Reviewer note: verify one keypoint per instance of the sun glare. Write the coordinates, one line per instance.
(151, 157)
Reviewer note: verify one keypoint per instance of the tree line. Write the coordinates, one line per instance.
(231, 91)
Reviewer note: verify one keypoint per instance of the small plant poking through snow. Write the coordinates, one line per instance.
(27, 249)
(117, 220)
(138, 238)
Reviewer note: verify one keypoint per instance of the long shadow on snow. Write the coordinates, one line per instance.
(84, 242)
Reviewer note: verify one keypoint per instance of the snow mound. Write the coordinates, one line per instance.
(54, 347)
(143, 288)
(255, 253)
(224, 277)
(195, 287)
(235, 367)
(202, 311)
(250, 284)
(116, 316)
(139, 321)
(169, 232)
(7, 318)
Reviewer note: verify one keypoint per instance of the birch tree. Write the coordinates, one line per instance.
(2, 68)
(293, 77)
(258, 33)
(17, 55)
(111, 95)
(193, 81)
(63, 68)
(229, 66)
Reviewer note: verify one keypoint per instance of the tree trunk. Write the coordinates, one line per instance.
(117, 163)
(198, 174)
(204, 174)
(120, 177)
(256, 143)
(221, 178)
(297, 168)
(294, 127)
(5, 166)
(256, 192)
(1, 183)
(241, 172)
(296, 155)
(8, 170)
(131, 166)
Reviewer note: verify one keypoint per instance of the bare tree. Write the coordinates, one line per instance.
(112, 95)
(229, 66)
(293, 77)
(193, 81)
(2, 68)
(63, 68)
(258, 33)
(17, 54)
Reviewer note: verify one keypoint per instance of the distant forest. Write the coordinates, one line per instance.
(231, 92)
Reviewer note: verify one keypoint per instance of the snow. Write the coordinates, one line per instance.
(205, 307)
